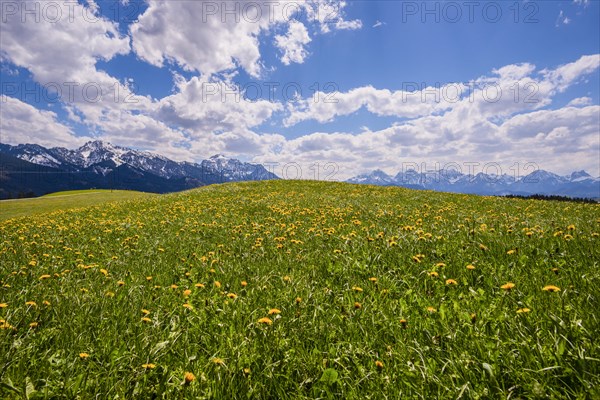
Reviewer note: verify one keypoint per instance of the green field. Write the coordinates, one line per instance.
(63, 201)
(285, 289)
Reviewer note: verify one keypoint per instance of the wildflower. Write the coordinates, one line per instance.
(188, 378)
(571, 227)
(110, 294)
(244, 283)
(298, 300)
(357, 305)
(433, 274)
(149, 366)
(470, 267)
(3, 305)
(120, 283)
(217, 284)
(46, 302)
(523, 310)
(551, 288)
(357, 288)
(473, 317)
(104, 272)
(45, 276)
(483, 246)
(265, 320)
(188, 306)
(431, 309)
(373, 279)
(146, 319)
(511, 252)
(218, 361)
(148, 278)
(529, 233)
(232, 296)
(187, 292)
(403, 323)
(145, 312)
(451, 282)
(274, 311)
(199, 285)
(31, 303)
(379, 364)
(83, 290)
(33, 325)
(507, 286)
(174, 286)
(83, 355)
(568, 237)
(440, 264)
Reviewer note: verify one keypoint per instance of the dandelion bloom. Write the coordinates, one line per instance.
(45, 276)
(109, 294)
(3, 305)
(148, 278)
(357, 305)
(431, 309)
(217, 284)
(470, 267)
(148, 366)
(146, 319)
(357, 288)
(174, 286)
(287, 278)
(523, 310)
(104, 272)
(46, 302)
(218, 361)
(507, 286)
(188, 378)
(199, 285)
(33, 325)
(145, 312)
(83, 355)
(440, 264)
(483, 247)
(188, 306)
(232, 296)
(473, 317)
(274, 311)
(403, 322)
(433, 274)
(571, 227)
(31, 303)
(187, 292)
(551, 288)
(265, 320)
(379, 364)
(510, 252)
(298, 300)
(244, 283)
(373, 279)
(451, 282)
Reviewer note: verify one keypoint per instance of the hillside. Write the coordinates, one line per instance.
(291, 289)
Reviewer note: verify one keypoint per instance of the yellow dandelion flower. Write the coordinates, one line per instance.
(45, 276)
(174, 286)
(483, 246)
(379, 364)
(149, 366)
(470, 267)
(188, 306)
(187, 292)
(120, 283)
(440, 264)
(265, 320)
(145, 312)
(188, 378)
(232, 296)
(433, 274)
(274, 311)
(511, 252)
(104, 272)
(507, 286)
(431, 309)
(403, 323)
(146, 319)
(83, 290)
(357, 288)
(473, 317)
(287, 279)
(557, 233)
(551, 288)
(244, 283)
(298, 300)
(46, 302)
(148, 278)
(3, 305)
(357, 305)
(451, 282)
(217, 284)
(218, 361)
(571, 227)
(555, 270)
(33, 325)
(568, 237)
(523, 310)
(373, 279)
(83, 355)
(31, 303)
(199, 285)
(109, 294)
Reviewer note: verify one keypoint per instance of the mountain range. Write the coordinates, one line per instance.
(36, 170)
(577, 184)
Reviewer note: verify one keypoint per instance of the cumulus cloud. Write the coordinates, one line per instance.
(293, 43)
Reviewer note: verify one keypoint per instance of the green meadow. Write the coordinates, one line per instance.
(298, 289)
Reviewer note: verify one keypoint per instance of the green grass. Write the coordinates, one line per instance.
(63, 201)
(348, 268)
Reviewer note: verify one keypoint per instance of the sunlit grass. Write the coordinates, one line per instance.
(303, 289)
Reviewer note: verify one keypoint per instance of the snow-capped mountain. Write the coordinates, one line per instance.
(101, 164)
(577, 184)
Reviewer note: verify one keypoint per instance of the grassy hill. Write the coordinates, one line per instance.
(285, 289)
(63, 201)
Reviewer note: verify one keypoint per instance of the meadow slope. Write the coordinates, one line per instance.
(287, 289)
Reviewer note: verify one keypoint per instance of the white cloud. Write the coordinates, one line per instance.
(293, 43)
(23, 123)
(378, 23)
(580, 102)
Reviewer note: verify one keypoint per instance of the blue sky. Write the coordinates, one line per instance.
(362, 84)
